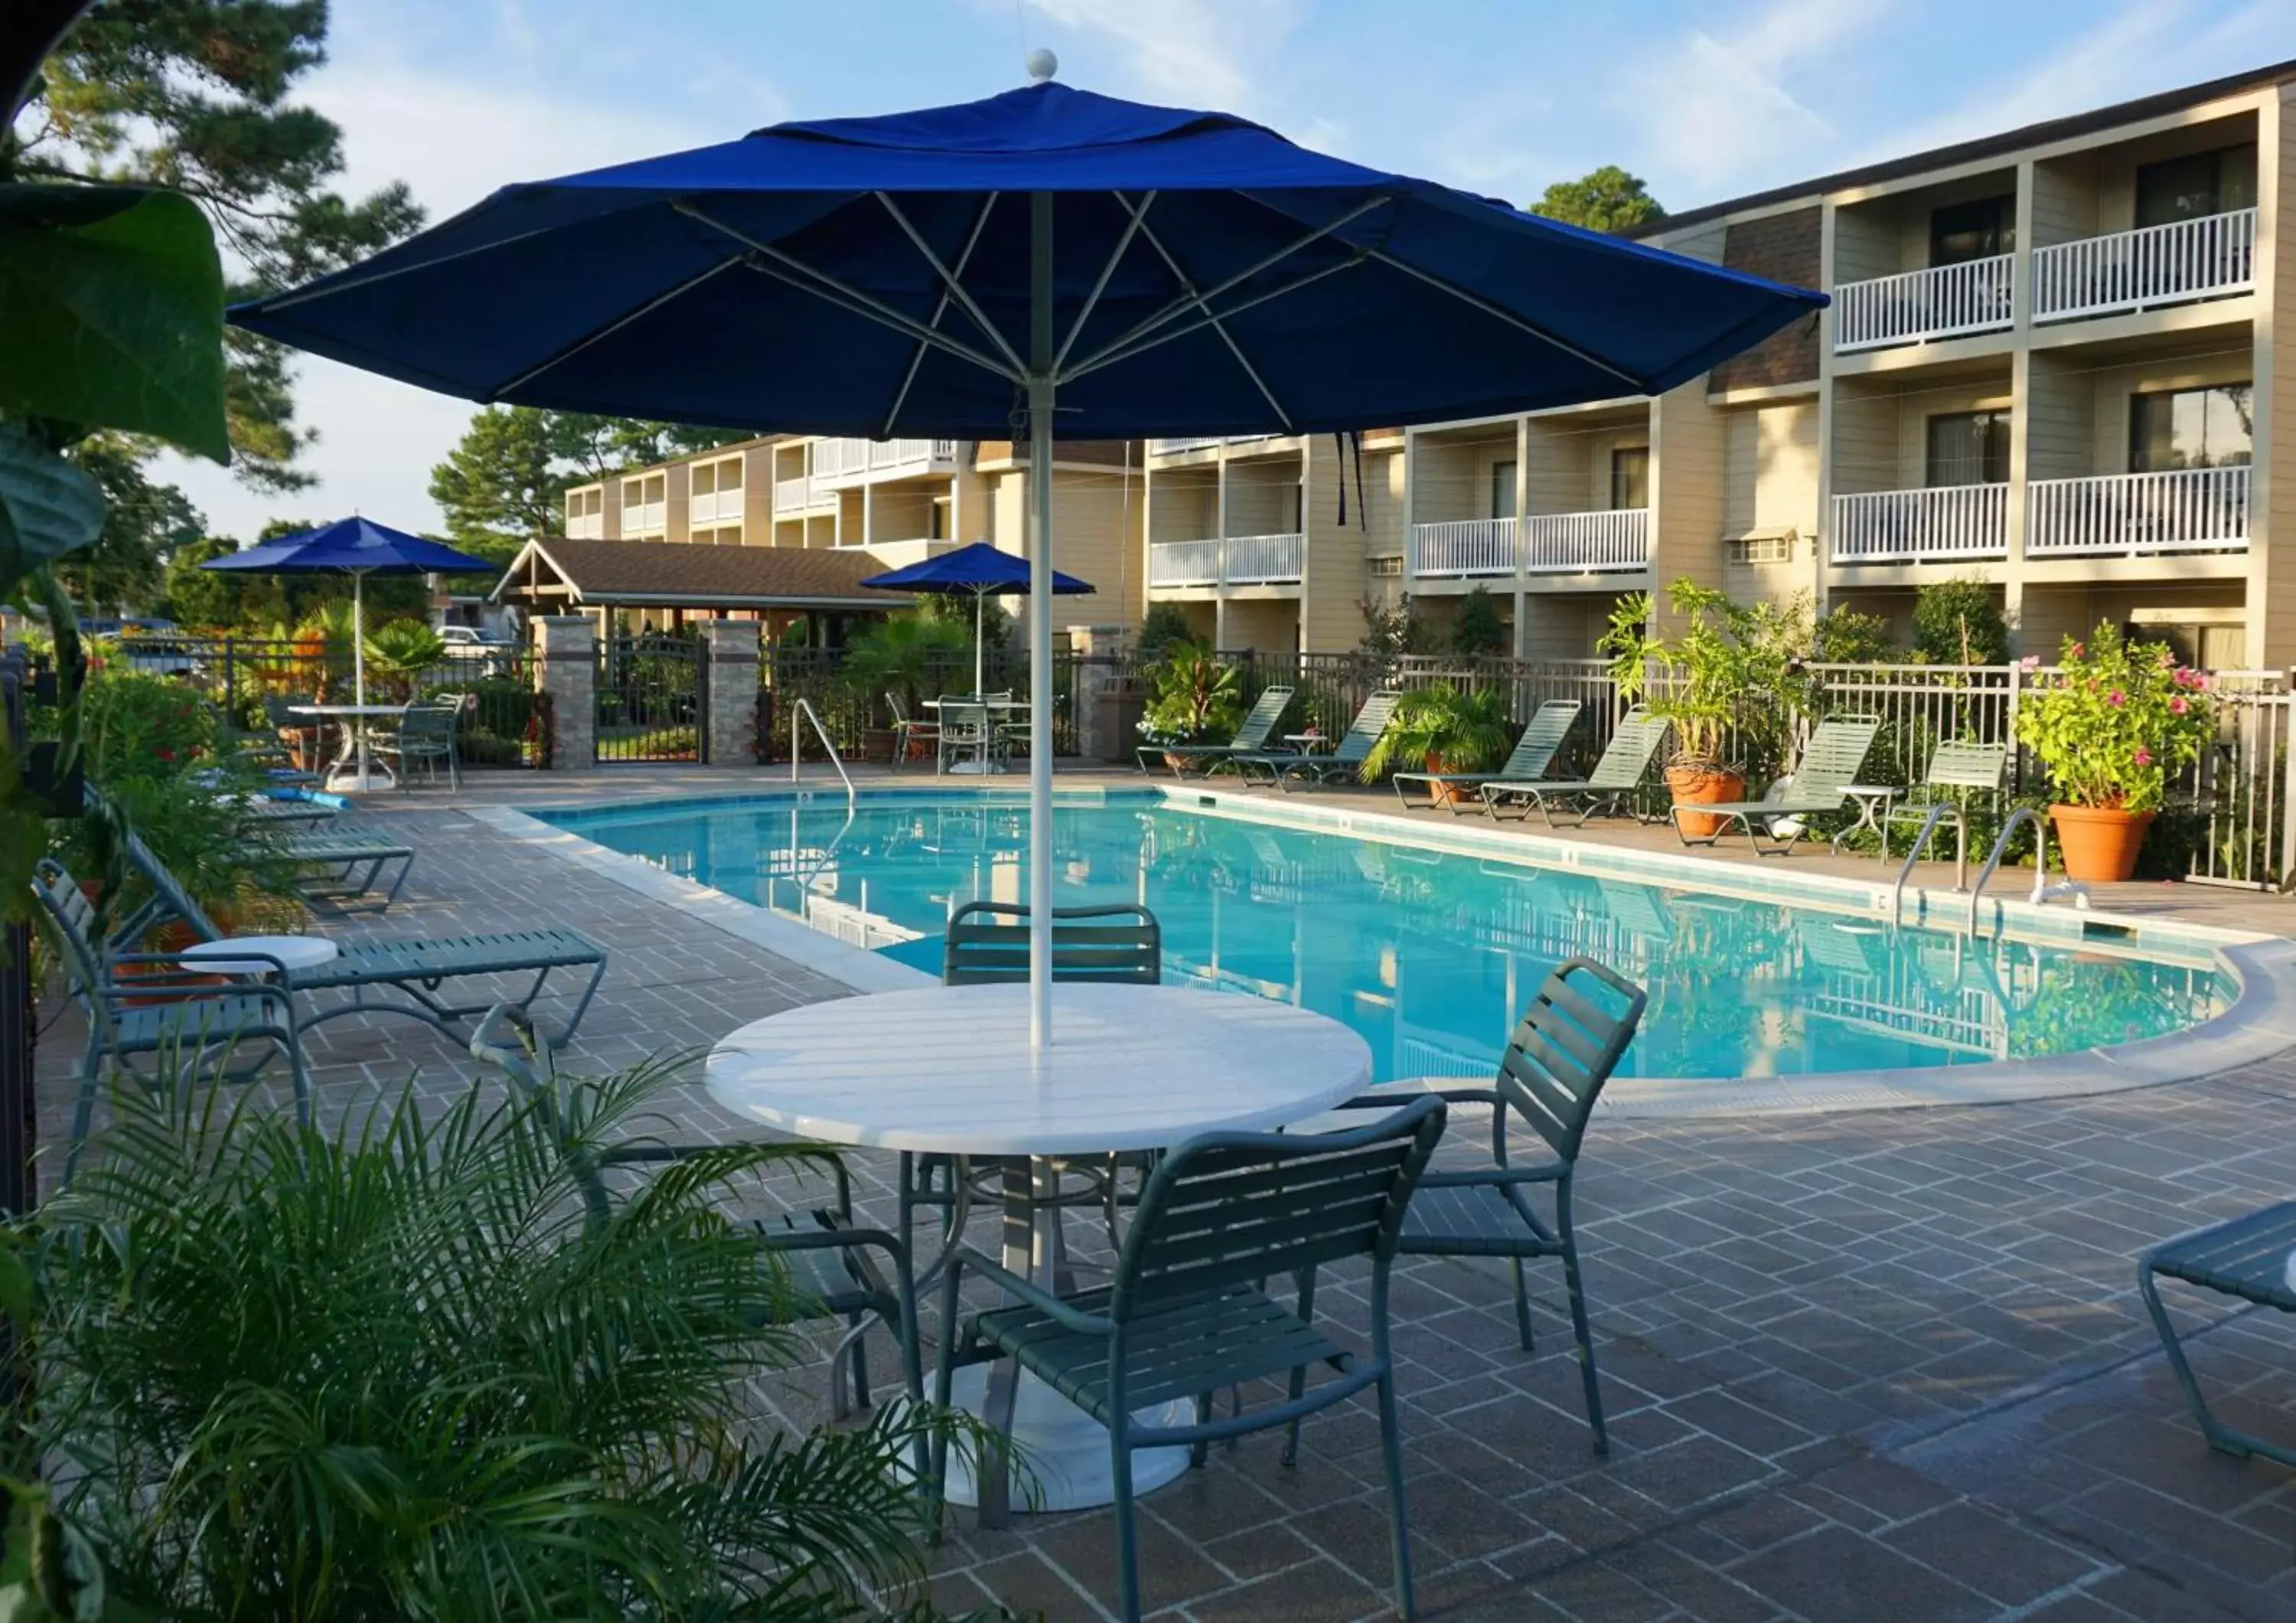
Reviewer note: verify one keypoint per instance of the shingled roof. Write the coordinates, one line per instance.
(671, 574)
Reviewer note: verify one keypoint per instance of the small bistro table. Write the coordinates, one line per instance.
(948, 1070)
(346, 773)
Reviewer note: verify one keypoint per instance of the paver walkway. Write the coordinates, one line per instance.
(1864, 1366)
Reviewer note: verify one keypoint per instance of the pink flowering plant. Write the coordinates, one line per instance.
(2116, 721)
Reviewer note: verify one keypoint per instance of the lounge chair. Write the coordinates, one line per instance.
(2248, 1259)
(349, 866)
(1251, 739)
(1534, 753)
(147, 1003)
(1190, 1315)
(416, 969)
(289, 807)
(1617, 777)
(1830, 763)
(1344, 762)
(1562, 1053)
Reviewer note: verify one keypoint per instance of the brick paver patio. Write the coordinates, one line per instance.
(1884, 1365)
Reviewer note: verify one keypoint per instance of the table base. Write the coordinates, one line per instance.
(1063, 1451)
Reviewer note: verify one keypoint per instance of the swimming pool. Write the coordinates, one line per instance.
(1429, 954)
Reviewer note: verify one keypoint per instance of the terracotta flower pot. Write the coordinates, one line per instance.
(1441, 793)
(2100, 842)
(1704, 785)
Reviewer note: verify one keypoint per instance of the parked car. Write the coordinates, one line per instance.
(153, 647)
(467, 645)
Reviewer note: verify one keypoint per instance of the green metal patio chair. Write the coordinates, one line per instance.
(1534, 753)
(1617, 778)
(1251, 739)
(147, 1003)
(838, 1267)
(1830, 763)
(987, 945)
(909, 732)
(425, 735)
(1956, 770)
(417, 971)
(1562, 1052)
(1186, 1316)
(1345, 760)
(2252, 1259)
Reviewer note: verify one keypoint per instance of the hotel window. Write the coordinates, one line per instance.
(2190, 428)
(1503, 489)
(2191, 187)
(1978, 229)
(1630, 476)
(1968, 448)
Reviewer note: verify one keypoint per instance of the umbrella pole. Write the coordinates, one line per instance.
(979, 619)
(358, 668)
(1040, 621)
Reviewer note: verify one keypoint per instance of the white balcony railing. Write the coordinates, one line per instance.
(585, 526)
(1239, 560)
(2130, 270)
(644, 517)
(1183, 563)
(1959, 521)
(1462, 546)
(1165, 447)
(711, 506)
(2180, 510)
(1265, 560)
(795, 495)
(852, 461)
(1576, 543)
(1943, 301)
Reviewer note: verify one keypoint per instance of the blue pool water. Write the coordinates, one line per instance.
(1429, 955)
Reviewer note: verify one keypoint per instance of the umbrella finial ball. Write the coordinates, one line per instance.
(1042, 65)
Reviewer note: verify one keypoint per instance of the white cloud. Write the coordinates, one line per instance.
(1717, 111)
(1192, 53)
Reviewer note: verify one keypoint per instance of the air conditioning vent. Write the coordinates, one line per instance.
(1387, 568)
(1760, 547)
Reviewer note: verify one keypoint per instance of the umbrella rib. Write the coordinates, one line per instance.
(917, 358)
(955, 288)
(1217, 325)
(1187, 301)
(595, 334)
(826, 287)
(1109, 358)
(1498, 314)
(1137, 219)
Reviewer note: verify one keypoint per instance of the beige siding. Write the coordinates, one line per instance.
(2272, 609)
(2111, 410)
(1183, 506)
(1330, 615)
(1916, 408)
(1381, 520)
(2116, 166)
(1772, 461)
(1687, 485)
(758, 496)
(1452, 472)
(2060, 418)
(1269, 626)
(1563, 625)
(2064, 199)
(1865, 244)
(1865, 450)
(1263, 496)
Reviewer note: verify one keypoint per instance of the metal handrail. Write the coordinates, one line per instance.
(1929, 826)
(2042, 889)
(803, 709)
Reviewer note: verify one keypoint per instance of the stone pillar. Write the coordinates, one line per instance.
(1103, 733)
(732, 654)
(566, 668)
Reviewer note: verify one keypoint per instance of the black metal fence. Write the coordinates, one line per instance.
(859, 710)
(651, 697)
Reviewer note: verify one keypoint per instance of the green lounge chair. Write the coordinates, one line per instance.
(349, 866)
(1616, 778)
(289, 808)
(1188, 1315)
(1534, 753)
(416, 969)
(1251, 739)
(192, 1027)
(1830, 763)
(1562, 1052)
(1344, 762)
(2246, 1259)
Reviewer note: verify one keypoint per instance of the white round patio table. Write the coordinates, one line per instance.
(348, 771)
(948, 1070)
(290, 952)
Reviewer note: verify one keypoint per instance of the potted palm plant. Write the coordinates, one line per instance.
(1700, 680)
(2112, 726)
(1440, 729)
(1194, 697)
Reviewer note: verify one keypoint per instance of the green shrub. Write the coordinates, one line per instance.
(1165, 624)
(1959, 622)
(1478, 630)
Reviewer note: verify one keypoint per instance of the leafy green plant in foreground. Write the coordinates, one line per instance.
(397, 1371)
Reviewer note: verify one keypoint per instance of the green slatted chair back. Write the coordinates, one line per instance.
(1967, 766)
(1627, 760)
(1261, 720)
(73, 915)
(1564, 1048)
(1535, 751)
(987, 945)
(171, 899)
(430, 723)
(1364, 731)
(1835, 757)
(1234, 1208)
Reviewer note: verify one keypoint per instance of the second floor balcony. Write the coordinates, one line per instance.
(838, 463)
(2209, 257)
(1942, 521)
(1607, 541)
(800, 494)
(1234, 560)
(715, 506)
(644, 517)
(2136, 515)
(585, 527)
(1916, 306)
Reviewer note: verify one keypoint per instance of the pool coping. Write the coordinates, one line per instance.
(2261, 1021)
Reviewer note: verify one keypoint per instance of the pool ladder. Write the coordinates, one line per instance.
(803, 711)
(2043, 889)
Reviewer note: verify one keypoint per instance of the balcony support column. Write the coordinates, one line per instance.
(2271, 628)
(1521, 582)
(2019, 497)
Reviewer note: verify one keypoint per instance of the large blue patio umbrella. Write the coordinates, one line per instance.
(985, 572)
(965, 271)
(357, 547)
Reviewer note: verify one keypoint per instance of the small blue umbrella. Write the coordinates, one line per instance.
(1148, 270)
(357, 547)
(986, 571)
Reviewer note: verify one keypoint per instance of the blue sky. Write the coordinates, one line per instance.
(1705, 101)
